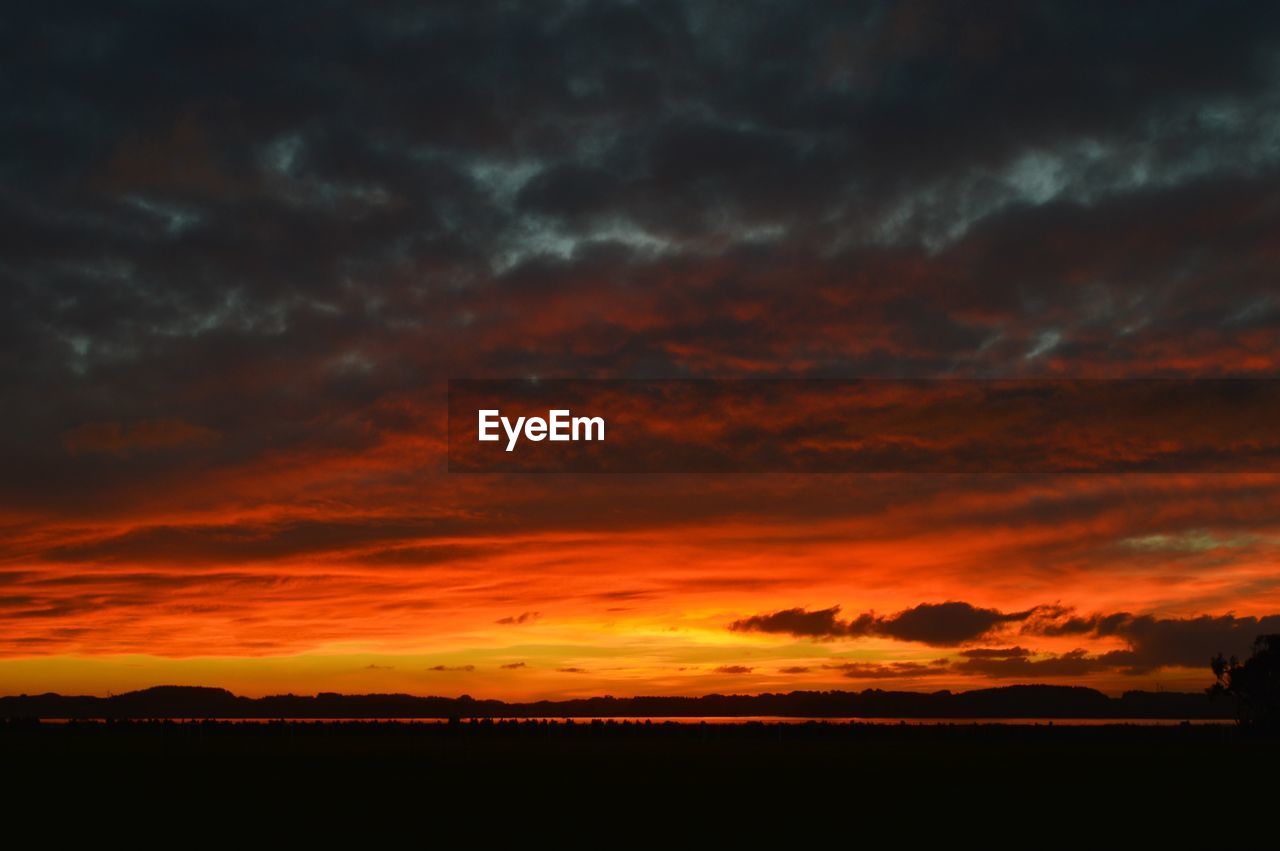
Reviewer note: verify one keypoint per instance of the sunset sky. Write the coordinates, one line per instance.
(243, 248)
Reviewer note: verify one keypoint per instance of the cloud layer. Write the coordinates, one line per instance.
(242, 250)
(1150, 643)
(936, 624)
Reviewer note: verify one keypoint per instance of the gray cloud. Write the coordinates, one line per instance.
(1074, 663)
(937, 624)
(733, 669)
(891, 670)
(821, 623)
(1156, 642)
(1152, 642)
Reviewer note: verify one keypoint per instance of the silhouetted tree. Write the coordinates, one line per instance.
(1254, 683)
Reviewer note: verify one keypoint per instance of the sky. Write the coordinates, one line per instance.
(243, 248)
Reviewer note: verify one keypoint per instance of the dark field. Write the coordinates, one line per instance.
(602, 784)
(553, 761)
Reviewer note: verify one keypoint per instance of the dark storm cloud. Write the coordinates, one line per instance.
(1152, 642)
(1156, 642)
(116, 438)
(259, 221)
(936, 624)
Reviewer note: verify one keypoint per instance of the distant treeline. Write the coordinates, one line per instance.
(1021, 701)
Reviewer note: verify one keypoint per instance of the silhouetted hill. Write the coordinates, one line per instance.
(1019, 701)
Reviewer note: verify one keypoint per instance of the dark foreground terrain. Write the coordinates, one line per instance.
(1018, 701)
(1135, 780)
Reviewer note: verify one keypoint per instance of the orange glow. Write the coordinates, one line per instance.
(373, 571)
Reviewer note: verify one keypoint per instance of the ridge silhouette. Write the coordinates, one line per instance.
(1015, 701)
